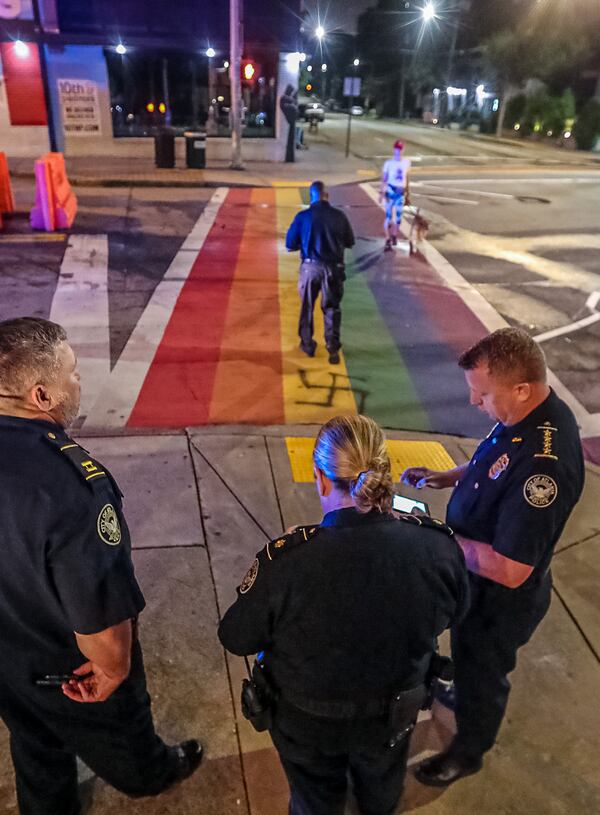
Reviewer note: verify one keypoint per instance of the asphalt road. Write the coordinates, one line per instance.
(519, 221)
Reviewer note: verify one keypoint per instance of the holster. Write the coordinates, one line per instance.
(258, 696)
(403, 711)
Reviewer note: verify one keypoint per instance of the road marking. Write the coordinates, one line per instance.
(591, 304)
(489, 317)
(472, 192)
(50, 237)
(116, 401)
(80, 305)
(548, 180)
(445, 200)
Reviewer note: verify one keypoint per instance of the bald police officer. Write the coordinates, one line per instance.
(69, 598)
(508, 509)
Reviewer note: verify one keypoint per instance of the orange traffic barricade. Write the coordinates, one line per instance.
(55, 202)
(7, 201)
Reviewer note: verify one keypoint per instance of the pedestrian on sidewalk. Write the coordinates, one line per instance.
(395, 192)
(320, 233)
(348, 613)
(508, 509)
(72, 679)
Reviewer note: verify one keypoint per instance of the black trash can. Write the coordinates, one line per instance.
(164, 149)
(195, 149)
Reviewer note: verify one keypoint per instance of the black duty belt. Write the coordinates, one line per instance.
(361, 709)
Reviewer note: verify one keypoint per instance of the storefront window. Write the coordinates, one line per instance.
(151, 89)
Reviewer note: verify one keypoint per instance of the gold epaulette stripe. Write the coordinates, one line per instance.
(68, 446)
(546, 427)
(269, 552)
(545, 455)
(94, 475)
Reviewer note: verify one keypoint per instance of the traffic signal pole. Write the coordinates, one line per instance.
(235, 82)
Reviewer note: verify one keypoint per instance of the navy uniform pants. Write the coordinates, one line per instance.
(318, 278)
(318, 755)
(484, 649)
(115, 739)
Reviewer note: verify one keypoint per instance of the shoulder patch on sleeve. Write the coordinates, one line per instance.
(249, 577)
(540, 491)
(286, 542)
(88, 468)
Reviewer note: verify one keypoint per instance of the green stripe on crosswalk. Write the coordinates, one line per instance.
(380, 380)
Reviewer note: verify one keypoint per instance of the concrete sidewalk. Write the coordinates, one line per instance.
(320, 159)
(200, 504)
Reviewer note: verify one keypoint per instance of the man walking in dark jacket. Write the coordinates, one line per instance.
(321, 233)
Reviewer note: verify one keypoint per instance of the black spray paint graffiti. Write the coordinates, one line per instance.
(339, 383)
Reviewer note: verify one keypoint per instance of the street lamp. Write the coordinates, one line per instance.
(324, 67)
(319, 32)
(356, 62)
(210, 52)
(428, 12)
(120, 49)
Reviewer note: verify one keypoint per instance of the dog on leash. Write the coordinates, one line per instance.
(418, 231)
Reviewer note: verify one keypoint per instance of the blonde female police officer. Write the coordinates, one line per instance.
(348, 613)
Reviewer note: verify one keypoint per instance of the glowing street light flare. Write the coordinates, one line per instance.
(309, 68)
(356, 63)
(21, 49)
(324, 67)
(428, 12)
(210, 52)
(120, 49)
(319, 32)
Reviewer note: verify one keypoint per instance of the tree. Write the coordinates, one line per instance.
(539, 51)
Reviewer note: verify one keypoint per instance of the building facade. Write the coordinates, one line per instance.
(104, 76)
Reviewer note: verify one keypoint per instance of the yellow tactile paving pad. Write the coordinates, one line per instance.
(402, 454)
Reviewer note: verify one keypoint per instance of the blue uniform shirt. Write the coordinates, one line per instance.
(320, 232)
(521, 486)
(64, 548)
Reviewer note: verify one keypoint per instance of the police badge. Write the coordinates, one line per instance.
(498, 467)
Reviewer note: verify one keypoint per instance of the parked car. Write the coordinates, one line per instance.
(357, 110)
(314, 111)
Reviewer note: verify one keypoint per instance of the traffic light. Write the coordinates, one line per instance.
(250, 71)
(308, 88)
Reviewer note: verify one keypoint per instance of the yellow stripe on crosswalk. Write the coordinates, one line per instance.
(403, 453)
(46, 237)
(313, 390)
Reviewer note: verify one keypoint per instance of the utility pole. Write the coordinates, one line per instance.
(235, 82)
(463, 5)
(52, 138)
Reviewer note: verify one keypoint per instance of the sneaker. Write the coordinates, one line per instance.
(188, 756)
(310, 352)
(388, 245)
(446, 768)
(334, 358)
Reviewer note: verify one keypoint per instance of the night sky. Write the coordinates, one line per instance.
(339, 14)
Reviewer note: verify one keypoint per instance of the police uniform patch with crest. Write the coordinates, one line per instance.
(540, 491)
(109, 528)
(249, 578)
(498, 467)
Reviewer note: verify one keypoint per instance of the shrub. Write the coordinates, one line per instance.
(587, 126)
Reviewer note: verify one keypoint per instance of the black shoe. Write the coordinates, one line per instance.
(310, 352)
(188, 756)
(388, 245)
(446, 768)
(334, 358)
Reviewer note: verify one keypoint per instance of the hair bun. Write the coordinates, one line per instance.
(372, 490)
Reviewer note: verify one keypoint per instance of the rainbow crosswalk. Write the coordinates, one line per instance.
(230, 353)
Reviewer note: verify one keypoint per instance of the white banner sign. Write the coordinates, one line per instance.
(352, 86)
(80, 107)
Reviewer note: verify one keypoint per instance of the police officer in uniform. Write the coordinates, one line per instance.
(71, 672)
(321, 233)
(348, 613)
(508, 509)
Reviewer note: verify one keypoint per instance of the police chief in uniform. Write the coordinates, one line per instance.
(509, 506)
(321, 233)
(69, 598)
(348, 613)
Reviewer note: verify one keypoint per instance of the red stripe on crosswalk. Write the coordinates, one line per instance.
(178, 388)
